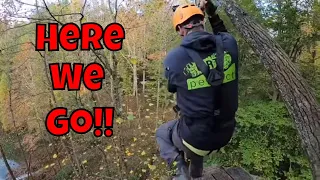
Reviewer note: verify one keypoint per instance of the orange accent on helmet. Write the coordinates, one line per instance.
(184, 12)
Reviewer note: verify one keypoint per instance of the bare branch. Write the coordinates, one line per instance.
(82, 10)
(16, 27)
(47, 8)
(28, 4)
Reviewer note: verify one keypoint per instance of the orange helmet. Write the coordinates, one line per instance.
(184, 12)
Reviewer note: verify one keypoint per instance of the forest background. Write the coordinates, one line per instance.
(266, 142)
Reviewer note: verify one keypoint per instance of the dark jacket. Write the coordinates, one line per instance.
(198, 100)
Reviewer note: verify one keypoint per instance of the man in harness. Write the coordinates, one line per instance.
(203, 72)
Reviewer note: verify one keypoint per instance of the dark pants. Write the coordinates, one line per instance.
(170, 144)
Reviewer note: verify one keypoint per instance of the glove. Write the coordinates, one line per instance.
(208, 7)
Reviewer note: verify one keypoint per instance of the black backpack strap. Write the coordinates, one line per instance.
(220, 52)
(214, 76)
(202, 66)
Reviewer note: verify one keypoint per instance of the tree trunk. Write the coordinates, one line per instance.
(135, 80)
(299, 99)
(144, 81)
(6, 163)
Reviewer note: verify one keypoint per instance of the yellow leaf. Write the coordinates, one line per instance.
(52, 164)
(133, 61)
(143, 153)
(84, 162)
(143, 170)
(152, 167)
(134, 139)
(55, 156)
(131, 172)
(130, 154)
(47, 166)
(119, 120)
(175, 163)
(109, 147)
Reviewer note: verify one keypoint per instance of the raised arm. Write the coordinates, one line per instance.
(216, 23)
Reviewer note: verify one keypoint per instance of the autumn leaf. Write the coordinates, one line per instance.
(175, 163)
(143, 134)
(143, 153)
(152, 167)
(119, 120)
(55, 156)
(109, 147)
(133, 61)
(64, 160)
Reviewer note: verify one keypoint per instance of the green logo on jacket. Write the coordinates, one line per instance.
(198, 80)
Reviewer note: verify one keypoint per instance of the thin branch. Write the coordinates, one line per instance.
(16, 27)
(107, 66)
(47, 8)
(28, 4)
(82, 10)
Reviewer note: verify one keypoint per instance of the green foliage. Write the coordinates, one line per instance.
(64, 173)
(10, 146)
(266, 143)
(3, 101)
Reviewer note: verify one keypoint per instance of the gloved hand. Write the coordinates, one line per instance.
(208, 7)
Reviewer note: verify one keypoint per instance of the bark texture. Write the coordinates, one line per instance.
(298, 96)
